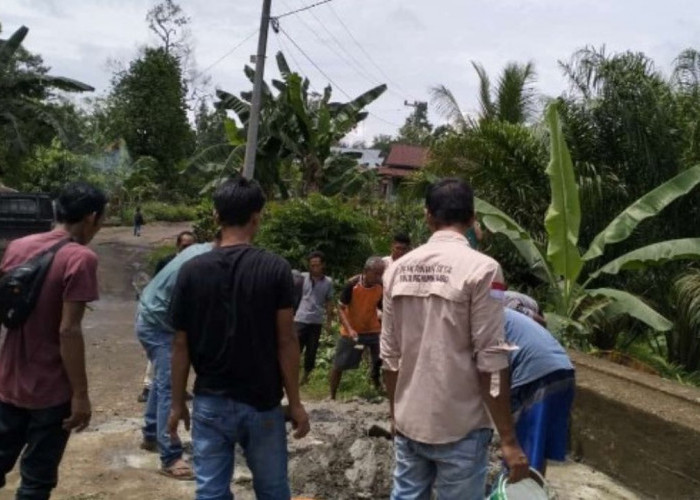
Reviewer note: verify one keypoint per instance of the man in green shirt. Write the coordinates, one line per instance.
(155, 333)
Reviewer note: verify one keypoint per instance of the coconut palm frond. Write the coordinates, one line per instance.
(446, 104)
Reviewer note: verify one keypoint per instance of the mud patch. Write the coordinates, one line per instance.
(341, 463)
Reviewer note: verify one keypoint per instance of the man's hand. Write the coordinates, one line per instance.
(300, 421)
(80, 414)
(516, 461)
(353, 335)
(178, 413)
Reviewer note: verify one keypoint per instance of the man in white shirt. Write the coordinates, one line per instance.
(400, 246)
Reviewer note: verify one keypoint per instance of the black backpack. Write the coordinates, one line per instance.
(20, 286)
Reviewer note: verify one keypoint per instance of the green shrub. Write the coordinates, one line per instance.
(204, 226)
(160, 211)
(401, 216)
(340, 230)
(347, 232)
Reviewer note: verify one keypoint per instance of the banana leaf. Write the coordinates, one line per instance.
(367, 98)
(498, 222)
(230, 101)
(647, 206)
(561, 325)
(654, 254)
(296, 100)
(10, 46)
(626, 303)
(233, 133)
(563, 217)
(282, 65)
(58, 82)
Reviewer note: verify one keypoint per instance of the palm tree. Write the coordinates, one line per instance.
(512, 102)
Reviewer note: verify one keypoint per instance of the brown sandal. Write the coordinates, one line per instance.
(179, 470)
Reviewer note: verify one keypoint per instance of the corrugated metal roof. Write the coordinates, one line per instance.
(403, 155)
(370, 158)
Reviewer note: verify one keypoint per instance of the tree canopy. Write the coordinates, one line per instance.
(149, 112)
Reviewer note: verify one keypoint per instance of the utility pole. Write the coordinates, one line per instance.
(417, 105)
(251, 145)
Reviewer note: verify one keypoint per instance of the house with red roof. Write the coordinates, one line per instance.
(402, 161)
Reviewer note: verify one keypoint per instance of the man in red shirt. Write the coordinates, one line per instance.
(43, 384)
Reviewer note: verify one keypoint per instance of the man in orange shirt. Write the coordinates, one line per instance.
(360, 325)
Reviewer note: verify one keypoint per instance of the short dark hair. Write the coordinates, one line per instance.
(450, 201)
(402, 238)
(317, 254)
(77, 200)
(178, 241)
(236, 200)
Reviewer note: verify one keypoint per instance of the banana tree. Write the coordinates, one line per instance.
(294, 125)
(560, 263)
(22, 92)
(319, 123)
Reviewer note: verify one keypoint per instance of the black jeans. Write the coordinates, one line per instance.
(45, 440)
(309, 337)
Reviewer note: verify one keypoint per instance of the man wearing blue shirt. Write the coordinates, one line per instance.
(542, 381)
(155, 333)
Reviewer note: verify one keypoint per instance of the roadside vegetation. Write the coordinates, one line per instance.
(589, 197)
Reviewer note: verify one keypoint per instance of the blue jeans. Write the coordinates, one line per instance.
(218, 423)
(456, 470)
(159, 349)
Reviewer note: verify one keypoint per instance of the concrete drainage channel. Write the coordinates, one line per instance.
(639, 428)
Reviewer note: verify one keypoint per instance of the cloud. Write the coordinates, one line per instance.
(407, 19)
(414, 43)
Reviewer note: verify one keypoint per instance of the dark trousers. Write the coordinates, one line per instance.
(309, 338)
(348, 357)
(40, 434)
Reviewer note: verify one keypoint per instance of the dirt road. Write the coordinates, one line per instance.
(336, 461)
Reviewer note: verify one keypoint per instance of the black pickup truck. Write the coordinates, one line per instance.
(22, 214)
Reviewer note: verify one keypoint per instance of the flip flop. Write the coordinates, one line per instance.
(179, 470)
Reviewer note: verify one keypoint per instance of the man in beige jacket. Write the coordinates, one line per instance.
(445, 359)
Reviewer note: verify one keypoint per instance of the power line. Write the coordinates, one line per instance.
(239, 45)
(325, 75)
(352, 61)
(367, 54)
(393, 124)
(283, 47)
(307, 7)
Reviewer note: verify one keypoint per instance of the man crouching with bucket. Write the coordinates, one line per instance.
(542, 384)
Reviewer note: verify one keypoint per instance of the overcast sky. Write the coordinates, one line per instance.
(415, 43)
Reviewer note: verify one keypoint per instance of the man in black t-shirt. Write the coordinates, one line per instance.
(232, 313)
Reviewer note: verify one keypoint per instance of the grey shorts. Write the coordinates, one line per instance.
(347, 354)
